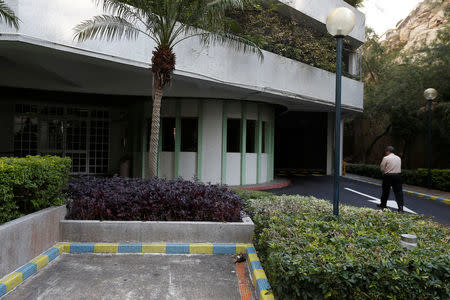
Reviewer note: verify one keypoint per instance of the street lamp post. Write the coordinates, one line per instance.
(429, 94)
(340, 22)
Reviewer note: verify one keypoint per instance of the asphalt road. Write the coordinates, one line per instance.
(361, 194)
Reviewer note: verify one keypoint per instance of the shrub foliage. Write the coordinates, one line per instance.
(308, 254)
(440, 178)
(30, 184)
(155, 199)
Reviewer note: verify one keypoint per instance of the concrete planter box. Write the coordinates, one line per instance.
(146, 232)
(25, 238)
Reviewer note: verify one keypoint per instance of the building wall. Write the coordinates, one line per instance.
(218, 64)
(117, 123)
(212, 141)
(216, 165)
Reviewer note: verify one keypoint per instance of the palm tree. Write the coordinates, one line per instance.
(167, 23)
(7, 15)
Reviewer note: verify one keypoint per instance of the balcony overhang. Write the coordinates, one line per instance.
(31, 66)
(44, 55)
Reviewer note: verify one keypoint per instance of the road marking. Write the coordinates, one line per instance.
(390, 203)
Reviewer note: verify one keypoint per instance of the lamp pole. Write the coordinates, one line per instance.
(430, 102)
(430, 94)
(337, 127)
(340, 22)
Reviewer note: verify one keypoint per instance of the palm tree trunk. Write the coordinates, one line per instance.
(154, 135)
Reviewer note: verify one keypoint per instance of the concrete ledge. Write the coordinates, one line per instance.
(25, 238)
(146, 232)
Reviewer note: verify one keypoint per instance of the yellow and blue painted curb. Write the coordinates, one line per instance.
(440, 199)
(256, 271)
(12, 280)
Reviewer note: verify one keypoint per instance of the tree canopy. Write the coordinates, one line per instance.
(394, 106)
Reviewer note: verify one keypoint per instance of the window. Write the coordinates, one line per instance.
(251, 136)
(99, 146)
(25, 135)
(189, 134)
(264, 130)
(79, 133)
(233, 135)
(168, 134)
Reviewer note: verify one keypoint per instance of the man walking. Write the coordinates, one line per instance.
(391, 167)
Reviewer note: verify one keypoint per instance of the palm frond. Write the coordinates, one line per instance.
(167, 22)
(106, 27)
(8, 16)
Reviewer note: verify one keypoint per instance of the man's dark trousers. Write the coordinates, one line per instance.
(394, 180)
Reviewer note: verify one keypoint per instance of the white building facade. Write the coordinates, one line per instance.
(92, 101)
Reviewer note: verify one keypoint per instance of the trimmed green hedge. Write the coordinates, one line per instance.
(440, 178)
(308, 254)
(30, 184)
(249, 194)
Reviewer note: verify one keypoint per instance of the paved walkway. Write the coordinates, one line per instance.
(128, 276)
(417, 189)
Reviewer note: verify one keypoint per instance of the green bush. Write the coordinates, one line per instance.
(440, 178)
(30, 184)
(308, 254)
(248, 194)
(372, 171)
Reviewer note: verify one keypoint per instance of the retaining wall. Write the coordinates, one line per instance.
(147, 232)
(27, 237)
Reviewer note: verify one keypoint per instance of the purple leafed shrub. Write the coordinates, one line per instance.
(131, 199)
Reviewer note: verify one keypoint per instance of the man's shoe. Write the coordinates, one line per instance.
(381, 206)
(400, 209)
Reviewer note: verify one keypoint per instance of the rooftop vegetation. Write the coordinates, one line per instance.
(284, 35)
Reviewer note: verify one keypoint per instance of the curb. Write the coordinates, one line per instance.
(257, 274)
(9, 282)
(440, 199)
(266, 187)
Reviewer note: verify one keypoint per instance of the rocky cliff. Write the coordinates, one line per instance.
(419, 27)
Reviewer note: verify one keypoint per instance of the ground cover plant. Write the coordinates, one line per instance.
(30, 184)
(126, 199)
(250, 194)
(440, 178)
(308, 254)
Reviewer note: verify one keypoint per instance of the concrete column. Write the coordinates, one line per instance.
(224, 143)
(177, 140)
(212, 141)
(243, 142)
(259, 145)
(353, 63)
(200, 141)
